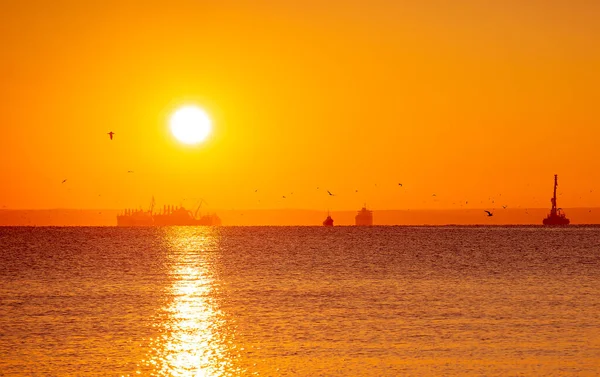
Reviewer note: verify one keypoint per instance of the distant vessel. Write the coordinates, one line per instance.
(132, 217)
(328, 221)
(180, 216)
(556, 215)
(364, 217)
(170, 216)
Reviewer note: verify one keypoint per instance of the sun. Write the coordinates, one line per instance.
(190, 125)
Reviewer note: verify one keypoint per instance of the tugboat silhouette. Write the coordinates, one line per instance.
(328, 221)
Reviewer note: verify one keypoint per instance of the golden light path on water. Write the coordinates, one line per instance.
(195, 338)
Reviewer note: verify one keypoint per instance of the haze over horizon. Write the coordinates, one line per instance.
(471, 101)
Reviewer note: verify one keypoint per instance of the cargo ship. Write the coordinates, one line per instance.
(132, 217)
(328, 221)
(169, 216)
(364, 217)
(556, 215)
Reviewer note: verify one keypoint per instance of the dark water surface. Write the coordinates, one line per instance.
(342, 301)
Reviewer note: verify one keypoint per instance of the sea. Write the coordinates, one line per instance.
(300, 301)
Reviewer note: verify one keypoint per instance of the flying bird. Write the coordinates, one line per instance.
(129, 171)
(110, 134)
(400, 184)
(64, 180)
(283, 196)
(434, 195)
(256, 190)
(504, 207)
(489, 214)
(329, 192)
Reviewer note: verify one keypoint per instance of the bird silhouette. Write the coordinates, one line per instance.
(283, 196)
(110, 134)
(329, 192)
(64, 180)
(434, 195)
(129, 171)
(489, 214)
(504, 207)
(256, 190)
(400, 184)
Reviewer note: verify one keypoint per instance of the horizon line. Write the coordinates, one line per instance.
(302, 209)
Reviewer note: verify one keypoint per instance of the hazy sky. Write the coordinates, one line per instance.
(464, 99)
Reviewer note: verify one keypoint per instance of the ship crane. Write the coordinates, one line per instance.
(556, 215)
(199, 206)
(152, 202)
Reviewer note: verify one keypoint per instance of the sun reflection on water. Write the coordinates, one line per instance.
(195, 339)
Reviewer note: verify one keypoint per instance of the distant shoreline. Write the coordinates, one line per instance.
(308, 217)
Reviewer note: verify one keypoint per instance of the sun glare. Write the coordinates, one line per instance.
(190, 125)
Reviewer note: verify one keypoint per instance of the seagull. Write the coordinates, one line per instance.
(504, 207)
(129, 171)
(434, 195)
(64, 180)
(256, 190)
(400, 184)
(488, 213)
(329, 192)
(283, 196)
(110, 134)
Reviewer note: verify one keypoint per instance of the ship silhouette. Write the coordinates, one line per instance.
(364, 217)
(169, 216)
(328, 221)
(556, 215)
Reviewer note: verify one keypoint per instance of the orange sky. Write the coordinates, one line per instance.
(465, 99)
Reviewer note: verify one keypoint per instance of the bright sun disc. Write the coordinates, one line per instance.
(190, 125)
